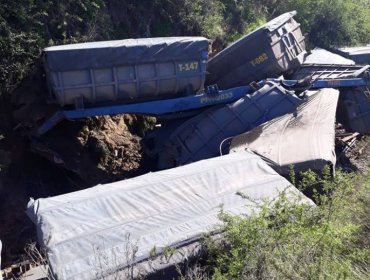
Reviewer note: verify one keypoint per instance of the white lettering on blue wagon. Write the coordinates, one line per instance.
(220, 97)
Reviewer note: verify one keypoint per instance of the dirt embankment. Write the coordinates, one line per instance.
(98, 150)
(72, 156)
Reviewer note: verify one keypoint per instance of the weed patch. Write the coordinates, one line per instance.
(287, 240)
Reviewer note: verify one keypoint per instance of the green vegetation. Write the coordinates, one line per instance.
(28, 26)
(330, 22)
(286, 241)
(289, 240)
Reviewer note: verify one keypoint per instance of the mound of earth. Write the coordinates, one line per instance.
(72, 156)
(100, 149)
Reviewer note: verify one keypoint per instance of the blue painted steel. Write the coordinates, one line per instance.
(201, 137)
(330, 83)
(341, 83)
(156, 108)
(182, 104)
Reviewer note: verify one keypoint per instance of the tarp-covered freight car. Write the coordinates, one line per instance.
(303, 140)
(119, 228)
(126, 70)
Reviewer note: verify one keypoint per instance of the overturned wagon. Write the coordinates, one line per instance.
(202, 136)
(125, 70)
(122, 230)
(269, 51)
(161, 76)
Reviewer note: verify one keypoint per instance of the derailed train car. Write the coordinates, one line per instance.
(122, 230)
(102, 75)
(129, 70)
(275, 48)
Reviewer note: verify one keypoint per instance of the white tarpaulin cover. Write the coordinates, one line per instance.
(322, 56)
(360, 54)
(303, 139)
(85, 232)
(122, 52)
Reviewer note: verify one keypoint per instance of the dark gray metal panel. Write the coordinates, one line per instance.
(274, 48)
(126, 70)
(356, 104)
(201, 137)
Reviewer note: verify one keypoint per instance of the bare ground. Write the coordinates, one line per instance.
(74, 156)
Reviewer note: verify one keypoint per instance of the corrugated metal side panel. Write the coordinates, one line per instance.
(141, 73)
(269, 51)
(200, 137)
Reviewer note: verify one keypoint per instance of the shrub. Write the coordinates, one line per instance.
(27, 26)
(329, 22)
(288, 240)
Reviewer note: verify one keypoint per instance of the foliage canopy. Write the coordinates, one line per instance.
(27, 26)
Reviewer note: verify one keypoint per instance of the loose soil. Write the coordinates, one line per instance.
(73, 156)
